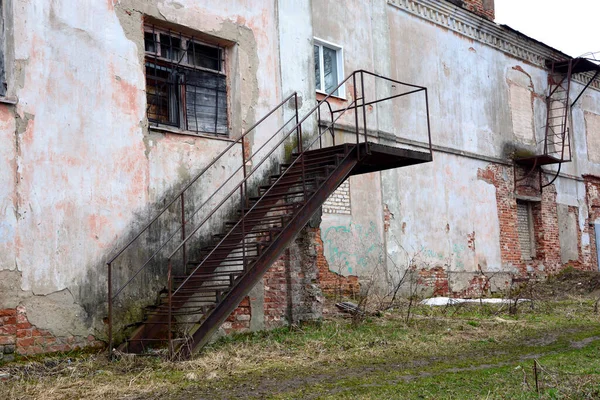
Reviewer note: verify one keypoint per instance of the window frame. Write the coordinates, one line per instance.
(339, 52)
(154, 58)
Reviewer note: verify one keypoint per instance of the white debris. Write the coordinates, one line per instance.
(447, 301)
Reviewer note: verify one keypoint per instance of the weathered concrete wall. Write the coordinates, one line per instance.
(83, 171)
(485, 104)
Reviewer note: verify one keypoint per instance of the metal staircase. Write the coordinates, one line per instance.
(555, 147)
(201, 277)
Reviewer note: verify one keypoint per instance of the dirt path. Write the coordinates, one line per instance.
(269, 386)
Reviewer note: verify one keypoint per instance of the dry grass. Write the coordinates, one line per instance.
(434, 333)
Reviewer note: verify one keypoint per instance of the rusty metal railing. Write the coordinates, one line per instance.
(182, 240)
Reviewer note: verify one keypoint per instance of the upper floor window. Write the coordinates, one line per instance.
(329, 70)
(186, 85)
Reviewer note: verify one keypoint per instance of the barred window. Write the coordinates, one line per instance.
(186, 84)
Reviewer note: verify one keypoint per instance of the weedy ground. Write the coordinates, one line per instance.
(477, 351)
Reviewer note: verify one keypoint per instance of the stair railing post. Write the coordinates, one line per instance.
(243, 228)
(428, 123)
(244, 167)
(170, 306)
(110, 316)
(298, 127)
(244, 203)
(362, 85)
(300, 146)
(319, 126)
(183, 231)
(356, 116)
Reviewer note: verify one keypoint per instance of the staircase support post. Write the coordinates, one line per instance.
(356, 117)
(362, 85)
(183, 231)
(170, 330)
(110, 309)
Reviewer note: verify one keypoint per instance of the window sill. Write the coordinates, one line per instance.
(168, 129)
(343, 98)
(8, 100)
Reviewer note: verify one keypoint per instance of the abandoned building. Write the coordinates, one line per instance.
(176, 168)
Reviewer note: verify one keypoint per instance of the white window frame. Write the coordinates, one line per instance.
(339, 51)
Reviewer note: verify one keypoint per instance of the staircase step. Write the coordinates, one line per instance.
(325, 150)
(281, 195)
(219, 274)
(272, 208)
(310, 163)
(309, 182)
(324, 169)
(237, 233)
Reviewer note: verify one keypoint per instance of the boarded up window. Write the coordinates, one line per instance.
(206, 102)
(186, 86)
(521, 107)
(525, 229)
(592, 133)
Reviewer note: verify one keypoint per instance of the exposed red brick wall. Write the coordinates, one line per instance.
(19, 336)
(239, 320)
(276, 293)
(545, 218)
(592, 186)
(331, 282)
(435, 278)
(483, 8)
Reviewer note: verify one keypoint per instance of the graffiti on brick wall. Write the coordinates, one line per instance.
(353, 249)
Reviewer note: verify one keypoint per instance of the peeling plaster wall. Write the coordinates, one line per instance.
(82, 171)
(485, 105)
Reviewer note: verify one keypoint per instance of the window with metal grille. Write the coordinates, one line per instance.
(186, 84)
(525, 229)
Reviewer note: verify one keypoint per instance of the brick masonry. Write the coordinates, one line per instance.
(292, 290)
(18, 336)
(339, 201)
(483, 8)
(547, 259)
(592, 186)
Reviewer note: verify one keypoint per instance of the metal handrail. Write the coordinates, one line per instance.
(217, 158)
(356, 103)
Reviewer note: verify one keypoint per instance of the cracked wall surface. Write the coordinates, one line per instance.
(81, 170)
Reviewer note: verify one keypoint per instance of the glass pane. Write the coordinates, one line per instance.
(204, 56)
(161, 92)
(330, 69)
(149, 42)
(317, 69)
(170, 47)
